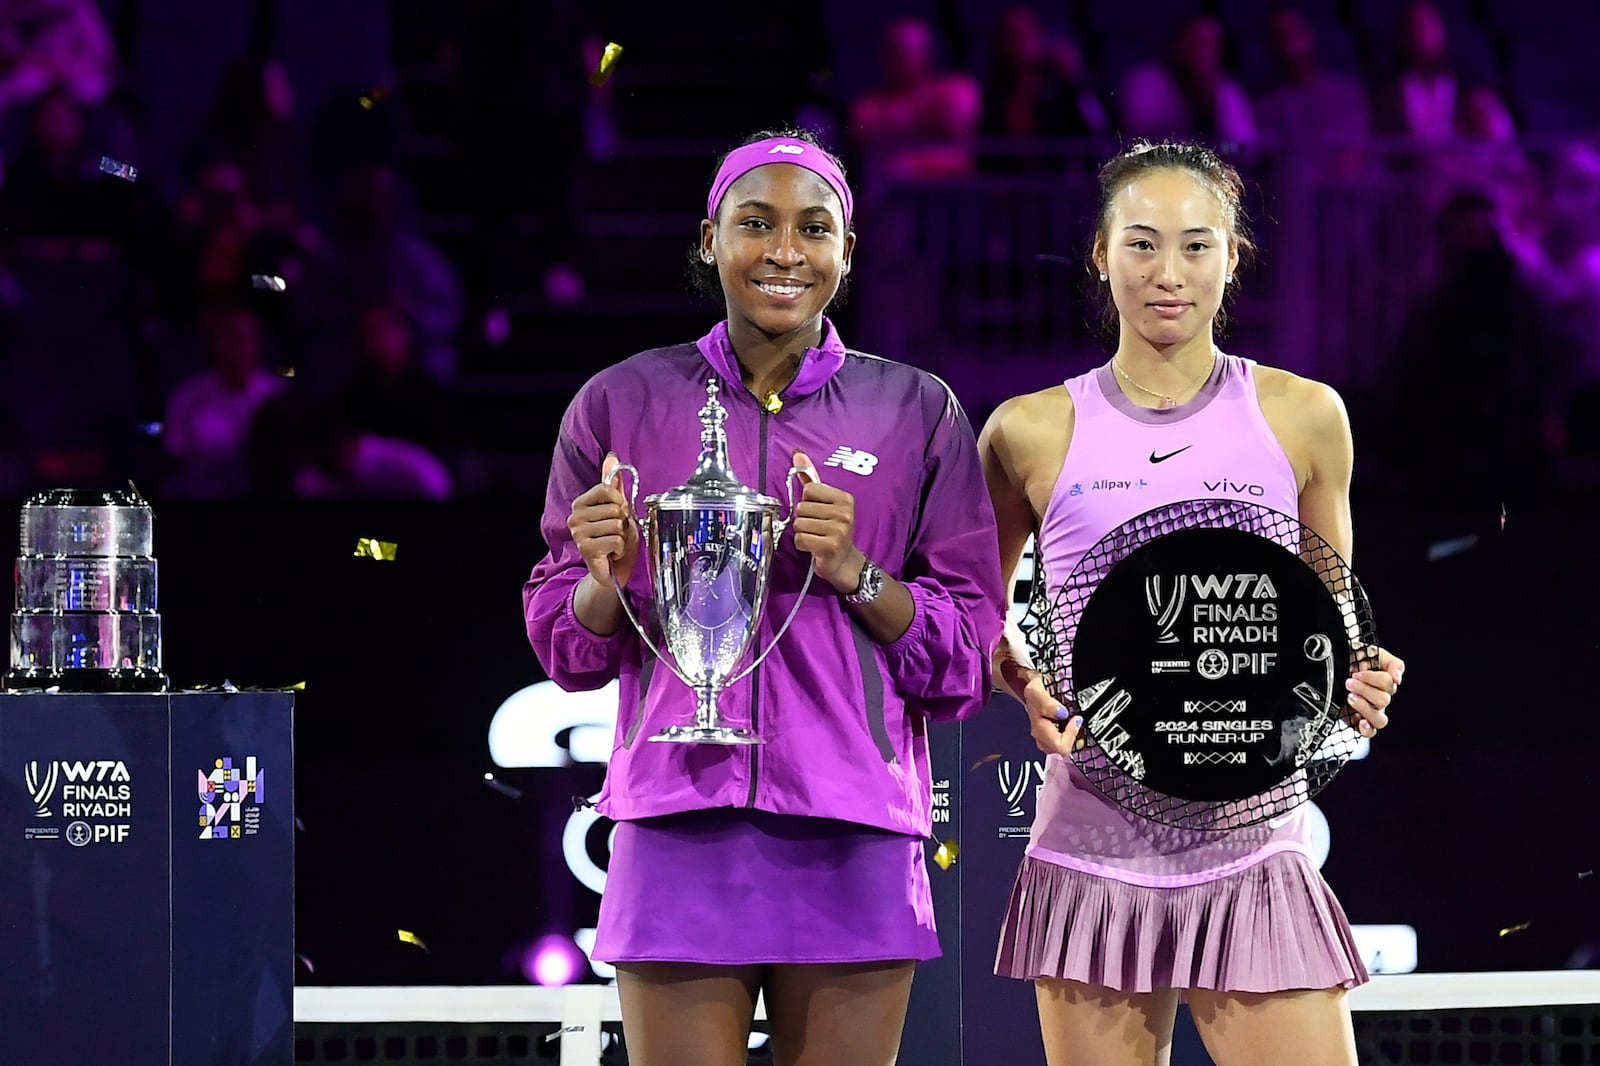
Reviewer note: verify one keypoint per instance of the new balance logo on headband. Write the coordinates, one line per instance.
(786, 149)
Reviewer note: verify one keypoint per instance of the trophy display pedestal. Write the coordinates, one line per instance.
(706, 734)
(147, 878)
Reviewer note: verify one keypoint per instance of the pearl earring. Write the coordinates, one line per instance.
(1230, 279)
(709, 258)
(1104, 276)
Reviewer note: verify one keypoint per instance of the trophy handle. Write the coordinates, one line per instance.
(805, 586)
(633, 620)
(639, 629)
(781, 524)
(778, 526)
(633, 485)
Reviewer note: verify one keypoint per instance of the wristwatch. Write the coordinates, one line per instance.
(869, 588)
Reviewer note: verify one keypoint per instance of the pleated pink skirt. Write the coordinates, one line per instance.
(1271, 927)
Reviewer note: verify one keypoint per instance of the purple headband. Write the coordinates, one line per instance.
(742, 161)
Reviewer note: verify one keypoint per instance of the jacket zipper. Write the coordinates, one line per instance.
(755, 679)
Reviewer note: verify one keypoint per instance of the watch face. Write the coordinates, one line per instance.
(871, 580)
(870, 585)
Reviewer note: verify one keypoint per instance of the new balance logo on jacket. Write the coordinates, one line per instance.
(853, 460)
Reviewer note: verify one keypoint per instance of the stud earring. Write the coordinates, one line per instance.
(1104, 276)
(1230, 279)
(709, 258)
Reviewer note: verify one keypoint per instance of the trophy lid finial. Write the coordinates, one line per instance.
(712, 414)
(714, 471)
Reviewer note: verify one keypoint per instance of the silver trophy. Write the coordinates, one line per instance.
(709, 545)
(85, 615)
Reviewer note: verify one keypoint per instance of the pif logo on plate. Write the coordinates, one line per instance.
(231, 799)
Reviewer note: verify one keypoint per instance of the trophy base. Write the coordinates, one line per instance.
(85, 680)
(707, 734)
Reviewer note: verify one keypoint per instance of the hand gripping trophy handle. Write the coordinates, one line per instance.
(633, 514)
(709, 548)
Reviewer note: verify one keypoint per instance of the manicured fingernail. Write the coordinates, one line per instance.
(1077, 721)
(1353, 700)
(1062, 713)
(1351, 683)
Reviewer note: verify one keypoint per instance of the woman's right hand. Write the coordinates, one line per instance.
(1055, 730)
(603, 527)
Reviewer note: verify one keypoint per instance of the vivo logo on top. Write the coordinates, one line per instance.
(1238, 489)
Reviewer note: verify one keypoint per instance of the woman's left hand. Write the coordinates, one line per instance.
(824, 525)
(1372, 692)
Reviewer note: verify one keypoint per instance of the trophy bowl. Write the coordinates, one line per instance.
(710, 556)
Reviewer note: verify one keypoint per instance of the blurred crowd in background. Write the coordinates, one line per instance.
(372, 248)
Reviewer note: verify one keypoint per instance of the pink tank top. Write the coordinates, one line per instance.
(1123, 460)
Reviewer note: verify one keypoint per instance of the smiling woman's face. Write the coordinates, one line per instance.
(781, 247)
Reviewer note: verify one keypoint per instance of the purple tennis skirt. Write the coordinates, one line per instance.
(737, 886)
(1270, 927)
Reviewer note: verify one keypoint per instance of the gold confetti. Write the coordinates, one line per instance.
(284, 371)
(408, 937)
(996, 757)
(607, 61)
(298, 686)
(773, 403)
(1515, 928)
(372, 548)
(373, 98)
(947, 854)
(565, 1029)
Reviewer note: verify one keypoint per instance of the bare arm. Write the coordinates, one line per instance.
(1325, 498)
(1325, 507)
(1014, 524)
(1013, 444)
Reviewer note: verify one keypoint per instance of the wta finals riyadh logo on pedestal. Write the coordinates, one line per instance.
(230, 801)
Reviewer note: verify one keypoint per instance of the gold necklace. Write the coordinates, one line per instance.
(1167, 399)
